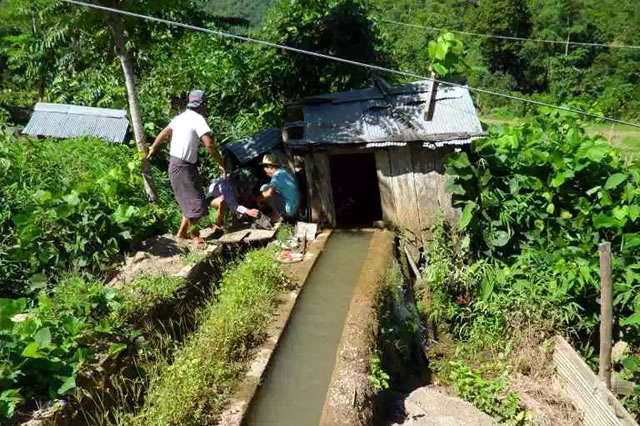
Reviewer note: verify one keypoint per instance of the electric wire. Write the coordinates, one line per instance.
(513, 38)
(347, 61)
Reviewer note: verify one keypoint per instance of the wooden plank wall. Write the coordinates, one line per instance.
(588, 394)
(404, 188)
(385, 184)
(319, 188)
(412, 187)
(433, 200)
(411, 181)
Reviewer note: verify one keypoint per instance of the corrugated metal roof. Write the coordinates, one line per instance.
(368, 116)
(249, 149)
(67, 121)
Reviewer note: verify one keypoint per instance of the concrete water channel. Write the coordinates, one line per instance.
(295, 386)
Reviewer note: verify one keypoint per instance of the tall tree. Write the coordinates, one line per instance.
(117, 30)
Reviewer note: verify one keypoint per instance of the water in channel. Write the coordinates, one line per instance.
(296, 383)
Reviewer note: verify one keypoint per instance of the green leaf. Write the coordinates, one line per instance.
(68, 385)
(440, 69)
(631, 320)
(72, 199)
(9, 401)
(43, 337)
(551, 208)
(467, 214)
(498, 238)
(37, 282)
(631, 241)
(459, 160)
(454, 188)
(116, 348)
(31, 350)
(43, 196)
(604, 221)
(558, 180)
(620, 213)
(597, 153)
(615, 180)
(631, 362)
(594, 190)
(634, 212)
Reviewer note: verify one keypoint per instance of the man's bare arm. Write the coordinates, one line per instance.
(162, 137)
(207, 141)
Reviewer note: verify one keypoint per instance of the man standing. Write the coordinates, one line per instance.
(281, 194)
(187, 131)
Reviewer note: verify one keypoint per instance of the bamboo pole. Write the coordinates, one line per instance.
(606, 314)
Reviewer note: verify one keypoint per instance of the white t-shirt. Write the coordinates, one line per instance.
(187, 129)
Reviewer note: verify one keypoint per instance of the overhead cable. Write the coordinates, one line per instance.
(345, 61)
(513, 38)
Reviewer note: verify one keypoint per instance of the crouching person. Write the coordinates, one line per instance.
(281, 194)
(222, 195)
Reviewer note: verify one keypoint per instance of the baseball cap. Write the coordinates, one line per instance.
(196, 99)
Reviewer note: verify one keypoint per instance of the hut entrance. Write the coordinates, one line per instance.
(356, 195)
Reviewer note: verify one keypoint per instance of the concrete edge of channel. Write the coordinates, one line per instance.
(239, 404)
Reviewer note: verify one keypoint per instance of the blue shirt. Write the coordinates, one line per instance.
(285, 185)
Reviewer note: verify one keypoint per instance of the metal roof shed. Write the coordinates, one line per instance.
(68, 121)
(246, 150)
(394, 136)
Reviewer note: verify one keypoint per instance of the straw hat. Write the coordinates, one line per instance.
(269, 160)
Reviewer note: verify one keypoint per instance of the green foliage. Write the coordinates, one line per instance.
(377, 376)
(489, 393)
(602, 80)
(537, 200)
(445, 54)
(192, 390)
(68, 204)
(45, 347)
(140, 297)
(252, 10)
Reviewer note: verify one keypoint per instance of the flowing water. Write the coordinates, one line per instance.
(296, 383)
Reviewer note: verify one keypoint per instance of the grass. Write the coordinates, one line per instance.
(194, 388)
(192, 257)
(139, 297)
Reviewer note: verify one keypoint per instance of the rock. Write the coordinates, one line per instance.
(433, 407)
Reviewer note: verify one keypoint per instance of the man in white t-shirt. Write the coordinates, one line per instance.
(187, 131)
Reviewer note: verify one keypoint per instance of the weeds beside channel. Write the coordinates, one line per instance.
(192, 389)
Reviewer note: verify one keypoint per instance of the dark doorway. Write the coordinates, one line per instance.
(355, 189)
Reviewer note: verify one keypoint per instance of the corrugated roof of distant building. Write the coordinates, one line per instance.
(67, 121)
(370, 116)
(250, 148)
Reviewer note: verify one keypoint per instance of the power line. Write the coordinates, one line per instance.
(512, 38)
(345, 61)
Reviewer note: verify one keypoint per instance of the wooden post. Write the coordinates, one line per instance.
(606, 308)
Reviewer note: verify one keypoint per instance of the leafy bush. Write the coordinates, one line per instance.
(45, 347)
(68, 204)
(547, 193)
(489, 393)
(192, 390)
(537, 200)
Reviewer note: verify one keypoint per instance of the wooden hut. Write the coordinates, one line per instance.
(378, 153)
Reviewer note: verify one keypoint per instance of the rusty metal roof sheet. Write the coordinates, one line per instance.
(249, 149)
(67, 121)
(370, 116)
